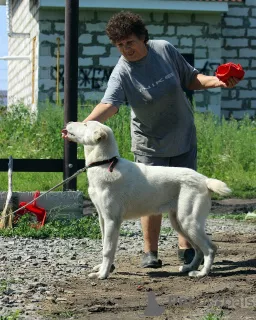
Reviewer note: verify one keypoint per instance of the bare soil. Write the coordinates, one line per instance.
(129, 292)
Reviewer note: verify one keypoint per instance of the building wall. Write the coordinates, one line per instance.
(239, 46)
(20, 86)
(97, 56)
(213, 38)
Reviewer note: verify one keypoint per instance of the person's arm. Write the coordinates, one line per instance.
(102, 112)
(201, 81)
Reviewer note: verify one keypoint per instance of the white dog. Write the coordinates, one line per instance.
(128, 190)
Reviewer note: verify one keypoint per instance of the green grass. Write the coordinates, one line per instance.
(12, 316)
(226, 149)
(214, 316)
(77, 228)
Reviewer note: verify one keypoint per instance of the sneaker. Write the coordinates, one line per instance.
(186, 255)
(149, 260)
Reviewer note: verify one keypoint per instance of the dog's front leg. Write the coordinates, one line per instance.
(111, 234)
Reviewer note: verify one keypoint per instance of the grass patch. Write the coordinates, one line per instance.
(226, 149)
(80, 228)
(214, 316)
(12, 316)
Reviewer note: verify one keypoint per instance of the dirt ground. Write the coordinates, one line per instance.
(134, 293)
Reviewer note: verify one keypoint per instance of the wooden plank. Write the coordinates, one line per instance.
(37, 165)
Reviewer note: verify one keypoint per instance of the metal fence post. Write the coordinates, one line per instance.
(70, 87)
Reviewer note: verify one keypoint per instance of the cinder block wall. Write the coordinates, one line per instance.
(239, 46)
(212, 38)
(24, 20)
(97, 56)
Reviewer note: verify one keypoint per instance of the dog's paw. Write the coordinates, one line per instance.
(96, 268)
(93, 275)
(185, 268)
(197, 274)
(98, 275)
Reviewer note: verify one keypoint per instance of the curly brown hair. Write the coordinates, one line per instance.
(125, 23)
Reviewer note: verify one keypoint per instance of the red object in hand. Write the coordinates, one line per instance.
(230, 69)
(39, 212)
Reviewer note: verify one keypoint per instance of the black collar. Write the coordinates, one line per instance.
(113, 161)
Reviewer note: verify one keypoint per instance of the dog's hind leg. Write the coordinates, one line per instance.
(111, 234)
(195, 263)
(194, 224)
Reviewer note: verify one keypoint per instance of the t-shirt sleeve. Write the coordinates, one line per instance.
(185, 70)
(114, 93)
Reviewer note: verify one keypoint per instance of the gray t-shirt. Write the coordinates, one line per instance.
(162, 122)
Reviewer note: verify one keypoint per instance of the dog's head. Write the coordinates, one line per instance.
(87, 133)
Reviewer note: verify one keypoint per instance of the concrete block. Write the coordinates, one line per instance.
(247, 94)
(179, 18)
(253, 63)
(96, 27)
(94, 51)
(173, 40)
(231, 104)
(85, 62)
(59, 27)
(190, 31)
(58, 205)
(108, 61)
(211, 19)
(229, 53)
(250, 3)
(114, 52)
(253, 12)
(252, 22)
(93, 95)
(237, 42)
(158, 16)
(86, 15)
(229, 32)
(155, 29)
(247, 53)
(238, 11)
(45, 26)
(199, 97)
(242, 113)
(214, 53)
(45, 50)
(104, 16)
(146, 16)
(187, 42)
(251, 32)
(85, 39)
(170, 31)
(200, 53)
(234, 22)
(103, 39)
(47, 61)
(253, 104)
(208, 42)
(215, 109)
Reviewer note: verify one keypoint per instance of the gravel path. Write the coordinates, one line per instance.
(30, 268)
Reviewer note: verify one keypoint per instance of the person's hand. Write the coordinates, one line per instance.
(230, 83)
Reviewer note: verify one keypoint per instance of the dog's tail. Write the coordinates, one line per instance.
(217, 186)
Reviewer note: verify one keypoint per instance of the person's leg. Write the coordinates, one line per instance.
(187, 160)
(151, 225)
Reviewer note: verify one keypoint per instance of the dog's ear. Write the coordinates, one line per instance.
(99, 134)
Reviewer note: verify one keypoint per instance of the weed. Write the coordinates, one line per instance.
(77, 228)
(213, 316)
(13, 316)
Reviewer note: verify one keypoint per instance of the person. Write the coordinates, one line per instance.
(152, 75)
